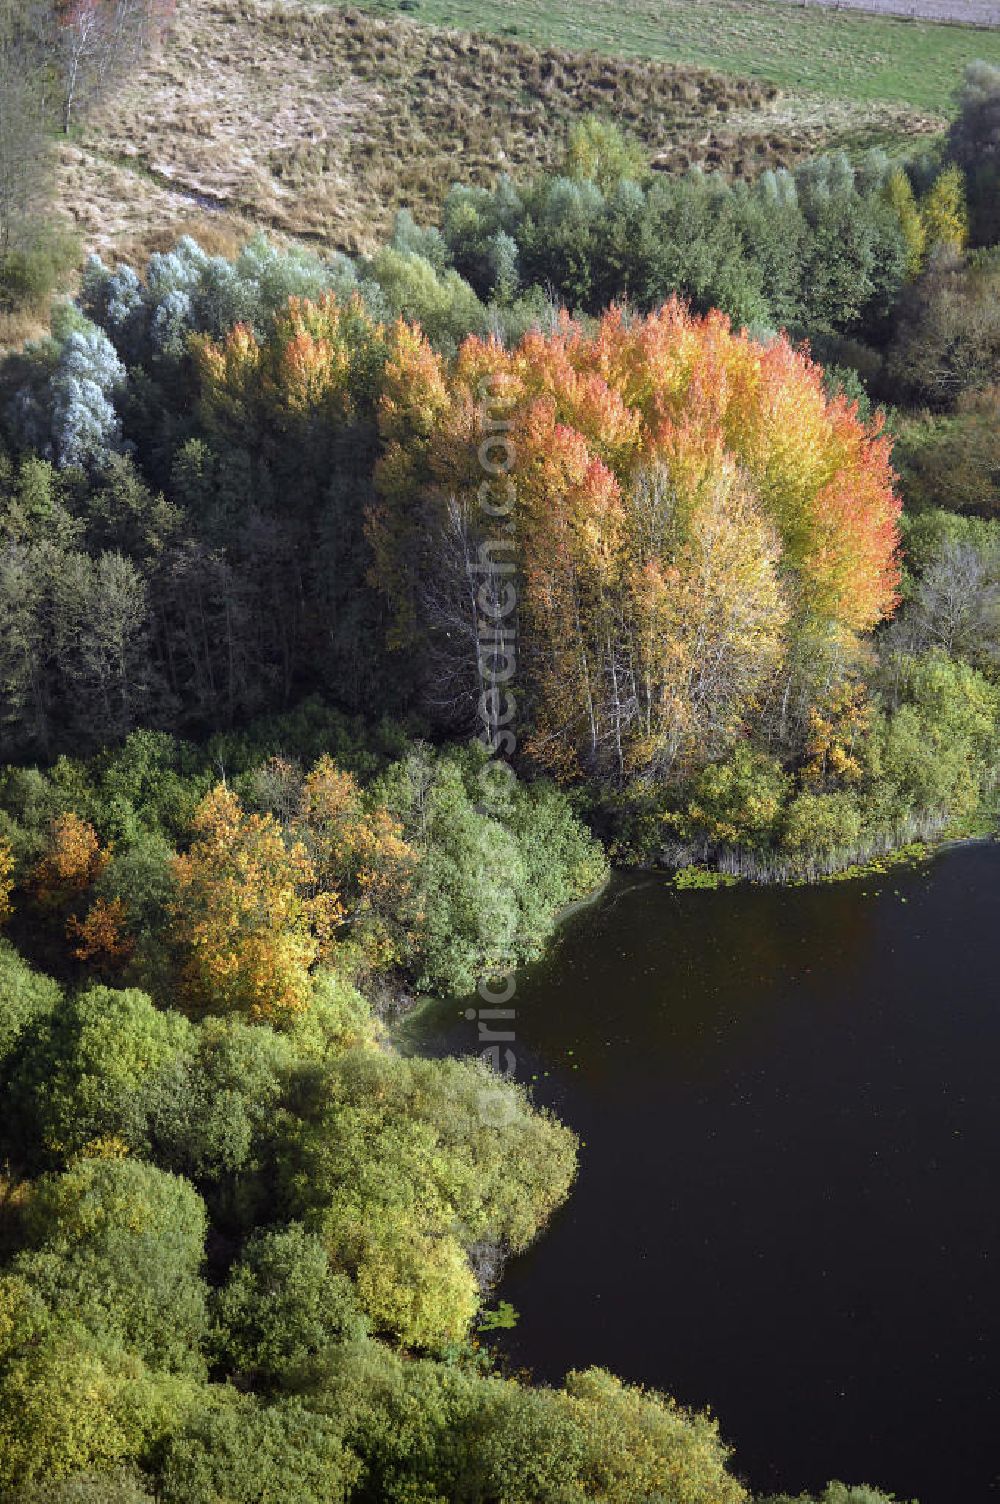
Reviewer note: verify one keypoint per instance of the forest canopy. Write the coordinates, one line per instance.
(658, 432)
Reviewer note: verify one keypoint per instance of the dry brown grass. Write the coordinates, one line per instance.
(17, 328)
(319, 123)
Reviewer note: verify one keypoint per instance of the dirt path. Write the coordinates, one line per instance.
(965, 12)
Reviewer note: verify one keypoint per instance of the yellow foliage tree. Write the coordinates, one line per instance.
(944, 212)
(6, 882)
(249, 918)
(837, 727)
(900, 197)
(359, 853)
(599, 152)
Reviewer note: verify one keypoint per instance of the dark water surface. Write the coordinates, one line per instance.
(789, 1202)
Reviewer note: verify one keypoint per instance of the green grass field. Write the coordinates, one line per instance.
(859, 57)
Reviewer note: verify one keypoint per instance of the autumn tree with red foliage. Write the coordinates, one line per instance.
(698, 531)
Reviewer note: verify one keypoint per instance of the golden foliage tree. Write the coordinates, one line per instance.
(838, 725)
(900, 196)
(72, 861)
(6, 882)
(249, 919)
(358, 852)
(944, 212)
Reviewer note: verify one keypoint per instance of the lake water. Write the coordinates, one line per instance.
(788, 1206)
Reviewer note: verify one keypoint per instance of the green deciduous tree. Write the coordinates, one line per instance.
(26, 997)
(282, 1308)
(598, 151)
(97, 1068)
(246, 1453)
(931, 753)
(120, 1244)
(400, 1209)
(70, 1400)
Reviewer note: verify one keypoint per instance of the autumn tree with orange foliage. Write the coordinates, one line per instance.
(249, 919)
(315, 370)
(697, 529)
(72, 862)
(288, 420)
(61, 881)
(102, 936)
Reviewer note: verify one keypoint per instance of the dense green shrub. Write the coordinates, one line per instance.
(401, 1211)
(947, 336)
(737, 802)
(96, 1068)
(426, 1431)
(952, 460)
(26, 998)
(500, 862)
(248, 1453)
(119, 1487)
(32, 271)
(283, 1308)
(934, 748)
(835, 1493)
(822, 825)
(72, 1401)
(119, 1244)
